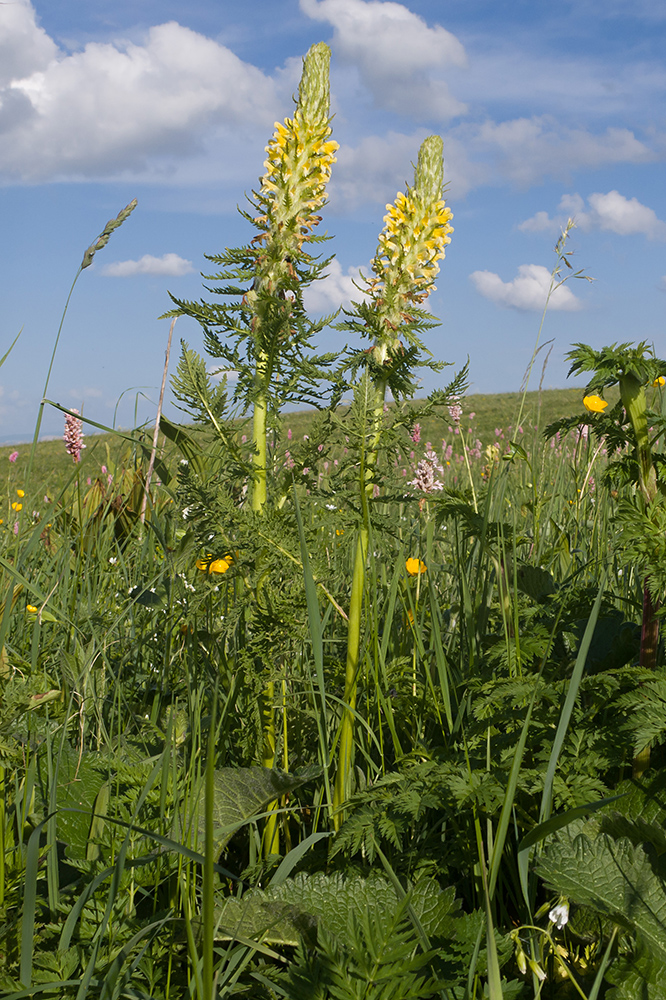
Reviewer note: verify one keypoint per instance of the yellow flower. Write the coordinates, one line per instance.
(410, 616)
(659, 381)
(339, 531)
(595, 404)
(220, 565)
(20, 493)
(414, 566)
(32, 609)
(210, 565)
(17, 506)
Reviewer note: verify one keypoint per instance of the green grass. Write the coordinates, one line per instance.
(462, 689)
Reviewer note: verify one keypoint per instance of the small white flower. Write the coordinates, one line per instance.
(184, 461)
(113, 560)
(330, 506)
(559, 915)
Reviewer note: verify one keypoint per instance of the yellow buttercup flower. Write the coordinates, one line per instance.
(21, 493)
(219, 565)
(595, 404)
(32, 609)
(659, 381)
(210, 565)
(415, 566)
(17, 506)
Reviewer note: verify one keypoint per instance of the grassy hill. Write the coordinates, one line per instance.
(497, 410)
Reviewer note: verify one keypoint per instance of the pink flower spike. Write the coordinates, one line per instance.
(73, 436)
(416, 433)
(13, 456)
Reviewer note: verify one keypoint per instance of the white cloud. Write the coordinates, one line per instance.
(24, 47)
(530, 149)
(113, 106)
(394, 51)
(610, 212)
(335, 290)
(614, 213)
(528, 290)
(169, 265)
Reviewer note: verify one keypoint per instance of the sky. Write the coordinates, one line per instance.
(546, 111)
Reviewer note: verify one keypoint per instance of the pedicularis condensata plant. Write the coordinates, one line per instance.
(413, 241)
(265, 335)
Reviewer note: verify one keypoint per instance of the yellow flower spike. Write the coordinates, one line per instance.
(20, 493)
(659, 381)
(31, 609)
(595, 404)
(299, 156)
(415, 566)
(416, 232)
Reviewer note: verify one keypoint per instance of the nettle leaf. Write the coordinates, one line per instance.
(616, 878)
(296, 908)
(79, 777)
(242, 793)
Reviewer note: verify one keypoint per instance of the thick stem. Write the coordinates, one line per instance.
(271, 837)
(346, 754)
(635, 404)
(259, 422)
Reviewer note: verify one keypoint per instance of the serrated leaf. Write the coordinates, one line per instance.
(296, 908)
(244, 792)
(614, 877)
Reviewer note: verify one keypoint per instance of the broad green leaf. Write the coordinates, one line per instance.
(614, 877)
(242, 793)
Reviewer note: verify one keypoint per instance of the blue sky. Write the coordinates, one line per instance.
(546, 112)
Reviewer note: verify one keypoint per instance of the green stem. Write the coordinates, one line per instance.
(635, 404)
(259, 422)
(346, 756)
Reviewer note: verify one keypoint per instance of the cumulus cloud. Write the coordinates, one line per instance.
(169, 265)
(614, 213)
(611, 212)
(395, 53)
(113, 106)
(528, 290)
(529, 149)
(335, 290)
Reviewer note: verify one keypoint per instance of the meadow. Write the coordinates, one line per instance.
(363, 701)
